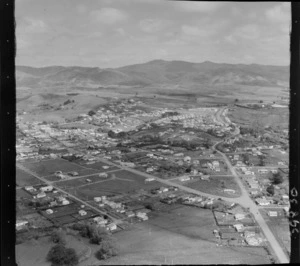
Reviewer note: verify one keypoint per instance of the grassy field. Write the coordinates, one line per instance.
(99, 166)
(121, 182)
(25, 179)
(280, 228)
(181, 236)
(277, 117)
(80, 181)
(216, 186)
(46, 168)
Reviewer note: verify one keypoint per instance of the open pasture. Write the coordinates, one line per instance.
(216, 185)
(181, 236)
(80, 181)
(25, 179)
(49, 167)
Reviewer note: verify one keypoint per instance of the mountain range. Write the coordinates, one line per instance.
(153, 73)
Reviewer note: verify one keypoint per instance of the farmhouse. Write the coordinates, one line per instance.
(46, 189)
(111, 227)
(97, 199)
(20, 224)
(149, 179)
(262, 171)
(239, 216)
(82, 212)
(187, 159)
(228, 190)
(185, 178)
(41, 195)
(272, 213)
(49, 211)
(239, 227)
(30, 188)
(262, 202)
(130, 214)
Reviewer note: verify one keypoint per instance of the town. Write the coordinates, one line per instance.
(126, 163)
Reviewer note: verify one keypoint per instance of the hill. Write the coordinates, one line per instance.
(157, 72)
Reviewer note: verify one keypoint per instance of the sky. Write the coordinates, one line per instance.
(114, 33)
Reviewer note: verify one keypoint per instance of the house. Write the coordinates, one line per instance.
(46, 189)
(20, 224)
(149, 179)
(142, 216)
(82, 212)
(248, 234)
(187, 159)
(236, 157)
(100, 220)
(41, 195)
(127, 164)
(65, 202)
(73, 174)
(262, 202)
(274, 171)
(30, 188)
(285, 197)
(262, 171)
(239, 216)
(97, 199)
(272, 213)
(215, 164)
(239, 227)
(228, 190)
(111, 227)
(205, 177)
(163, 189)
(58, 173)
(49, 211)
(149, 170)
(184, 178)
(130, 214)
(253, 241)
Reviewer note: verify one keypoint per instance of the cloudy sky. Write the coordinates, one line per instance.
(112, 33)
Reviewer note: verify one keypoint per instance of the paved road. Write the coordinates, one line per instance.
(244, 199)
(247, 202)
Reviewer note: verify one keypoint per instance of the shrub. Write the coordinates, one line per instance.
(107, 249)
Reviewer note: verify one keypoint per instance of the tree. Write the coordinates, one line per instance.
(236, 100)
(59, 255)
(108, 249)
(277, 178)
(261, 161)
(271, 190)
(91, 113)
(59, 237)
(111, 134)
